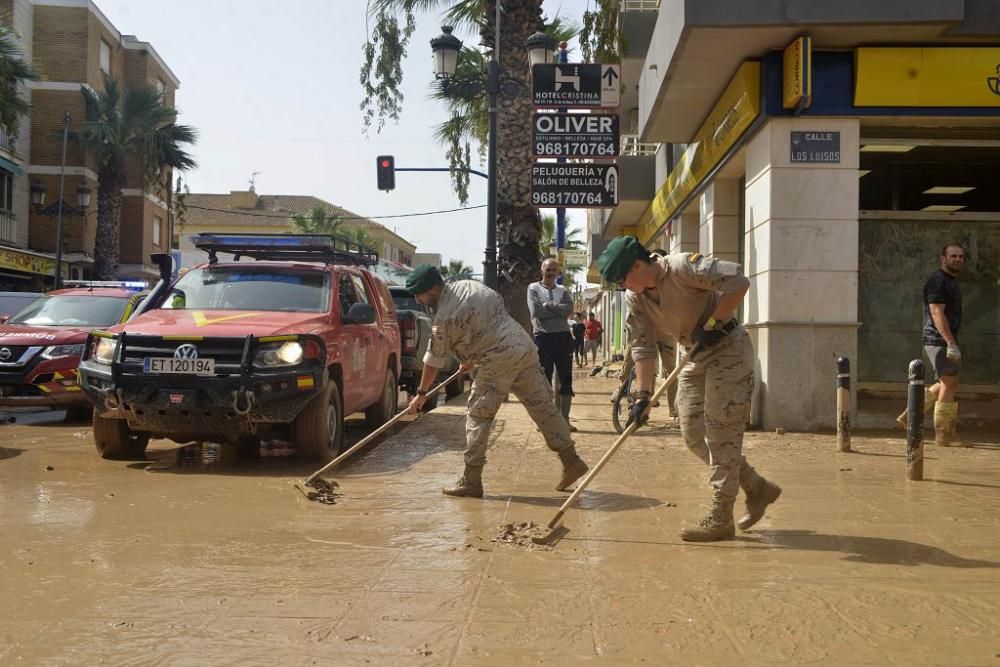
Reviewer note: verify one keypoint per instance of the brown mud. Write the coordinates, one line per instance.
(191, 557)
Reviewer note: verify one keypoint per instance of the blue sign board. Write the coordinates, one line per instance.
(816, 147)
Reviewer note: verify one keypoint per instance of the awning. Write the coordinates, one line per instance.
(10, 166)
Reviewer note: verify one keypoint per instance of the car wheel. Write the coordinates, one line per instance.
(387, 405)
(319, 428)
(455, 387)
(115, 440)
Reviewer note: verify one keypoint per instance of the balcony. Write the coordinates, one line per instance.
(6, 140)
(8, 227)
(637, 184)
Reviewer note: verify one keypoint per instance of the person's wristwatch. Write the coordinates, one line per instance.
(710, 323)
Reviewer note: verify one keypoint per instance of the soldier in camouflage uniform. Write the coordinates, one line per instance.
(692, 298)
(471, 322)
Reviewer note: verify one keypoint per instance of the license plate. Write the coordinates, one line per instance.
(179, 366)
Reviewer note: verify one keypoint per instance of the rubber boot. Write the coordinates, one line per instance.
(929, 400)
(470, 484)
(760, 493)
(573, 467)
(946, 425)
(717, 524)
(565, 403)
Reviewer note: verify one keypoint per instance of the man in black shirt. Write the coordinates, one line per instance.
(578, 328)
(942, 320)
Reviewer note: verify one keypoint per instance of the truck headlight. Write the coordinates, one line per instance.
(104, 351)
(289, 353)
(56, 351)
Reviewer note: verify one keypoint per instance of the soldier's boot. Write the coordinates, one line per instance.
(565, 404)
(946, 425)
(759, 494)
(470, 484)
(717, 524)
(929, 400)
(573, 467)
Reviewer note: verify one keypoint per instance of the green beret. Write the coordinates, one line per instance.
(423, 278)
(617, 259)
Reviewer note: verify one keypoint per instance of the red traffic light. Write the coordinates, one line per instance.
(386, 167)
(386, 163)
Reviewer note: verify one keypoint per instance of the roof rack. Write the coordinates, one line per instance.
(286, 247)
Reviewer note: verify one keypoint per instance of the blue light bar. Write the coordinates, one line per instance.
(123, 284)
(239, 241)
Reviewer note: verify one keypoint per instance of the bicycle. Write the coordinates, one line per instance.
(621, 400)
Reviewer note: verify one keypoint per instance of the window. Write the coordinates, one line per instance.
(105, 57)
(251, 288)
(348, 297)
(6, 190)
(157, 229)
(359, 286)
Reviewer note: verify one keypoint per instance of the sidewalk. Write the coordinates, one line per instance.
(854, 565)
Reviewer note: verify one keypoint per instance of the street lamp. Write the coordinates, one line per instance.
(60, 207)
(446, 48)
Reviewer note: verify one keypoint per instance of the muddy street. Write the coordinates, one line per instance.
(190, 557)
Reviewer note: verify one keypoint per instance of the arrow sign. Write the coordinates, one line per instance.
(574, 185)
(587, 85)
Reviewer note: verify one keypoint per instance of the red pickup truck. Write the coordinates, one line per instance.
(284, 347)
(40, 345)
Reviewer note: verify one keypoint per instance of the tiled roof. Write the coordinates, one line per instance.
(209, 210)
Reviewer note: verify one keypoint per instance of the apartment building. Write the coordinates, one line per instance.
(70, 43)
(831, 148)
(245, 211)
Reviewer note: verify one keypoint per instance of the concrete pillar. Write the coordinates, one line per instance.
(719, 219)
(801, 254)
(684, 232)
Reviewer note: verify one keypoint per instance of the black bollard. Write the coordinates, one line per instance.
(915, 422)
(844, 404)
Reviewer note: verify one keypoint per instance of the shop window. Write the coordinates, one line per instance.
(157, 229)
(105, 57)
(6, 190)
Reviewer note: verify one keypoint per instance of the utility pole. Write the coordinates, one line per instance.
(561, 212)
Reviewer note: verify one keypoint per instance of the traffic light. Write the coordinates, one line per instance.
(386, 165)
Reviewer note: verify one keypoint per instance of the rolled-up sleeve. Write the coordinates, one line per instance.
(641, 334)
(439, 347)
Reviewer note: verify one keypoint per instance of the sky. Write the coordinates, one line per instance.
(274, 88)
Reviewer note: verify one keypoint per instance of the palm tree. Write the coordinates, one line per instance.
(320, 220)
(127, 125)
(456, 270)
(356, 234)
(14, 72)
(571, 240)
(518, 224)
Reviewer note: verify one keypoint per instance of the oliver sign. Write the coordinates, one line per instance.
(574, 135)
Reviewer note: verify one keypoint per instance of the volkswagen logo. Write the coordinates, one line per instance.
(994, 82)
(186, 351)
(5, 354)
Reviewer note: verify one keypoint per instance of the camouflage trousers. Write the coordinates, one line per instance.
(522, 377)
(713, 397)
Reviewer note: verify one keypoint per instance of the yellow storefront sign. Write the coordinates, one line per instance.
(927, 77)
(734, 112)
(796, 92)
(27, 263)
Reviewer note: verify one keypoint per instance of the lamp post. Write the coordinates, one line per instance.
(446, 48)
(60, 208)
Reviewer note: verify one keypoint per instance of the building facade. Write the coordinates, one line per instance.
(71, 44)
(241, 212)
(832, 149)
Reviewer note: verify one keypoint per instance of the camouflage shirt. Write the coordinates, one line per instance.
(471, 322)
(687, 290)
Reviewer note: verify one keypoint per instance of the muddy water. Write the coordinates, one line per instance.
(168, 561)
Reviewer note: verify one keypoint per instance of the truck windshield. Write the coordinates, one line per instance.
(251, 288)
(71, 311)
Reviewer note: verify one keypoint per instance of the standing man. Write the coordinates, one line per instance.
(942, 320)
(550, 304)
(579, 331)
(592, 333)
(470, 321)
(691, 299)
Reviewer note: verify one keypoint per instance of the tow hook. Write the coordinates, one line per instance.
(247, 397)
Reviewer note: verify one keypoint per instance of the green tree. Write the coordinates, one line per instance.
(456, 269)
(518, 223)
(548, 240)
(601, 38)
(128, 125)
(14, 72)
(320, 220)
(358, 235)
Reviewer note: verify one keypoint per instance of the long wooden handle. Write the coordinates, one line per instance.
(377, 432)
(622, 438)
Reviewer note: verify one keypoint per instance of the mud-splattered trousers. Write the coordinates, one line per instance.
(713, 397)
(523, 377)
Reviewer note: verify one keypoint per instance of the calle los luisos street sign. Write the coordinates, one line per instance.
(574, 185)
(574, 135)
